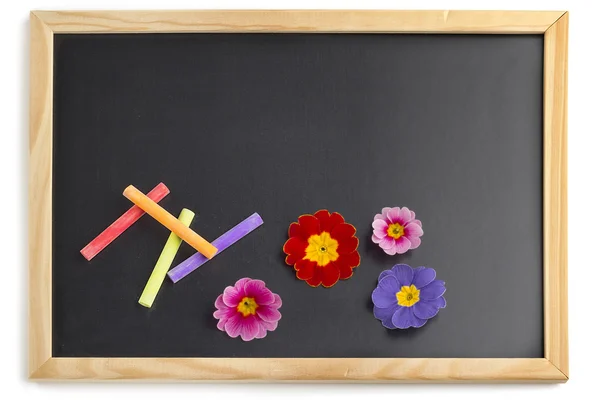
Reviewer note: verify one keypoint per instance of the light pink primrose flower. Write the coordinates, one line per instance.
(247, 309)
(396, 230)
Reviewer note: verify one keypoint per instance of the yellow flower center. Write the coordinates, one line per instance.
(408, 296)
(247, 306)
(395, 230)
(322, 249)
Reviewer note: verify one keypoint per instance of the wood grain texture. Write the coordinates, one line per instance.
(40, 194)
(304, 369)
(555, 195)
(301, 21)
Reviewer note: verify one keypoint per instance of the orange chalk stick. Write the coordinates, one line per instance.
(170, 222)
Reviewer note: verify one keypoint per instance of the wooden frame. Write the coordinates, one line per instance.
(552, 368)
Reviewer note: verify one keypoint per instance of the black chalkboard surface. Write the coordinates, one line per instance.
(287, 124)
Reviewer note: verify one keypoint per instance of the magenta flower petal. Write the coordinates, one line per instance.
(380, 224)
(413, 229)
(432, 291)
(402, 245)
(248, 310)
(219, 302)
(269, 325)
(425, 310)
(405, 216)
(423, 276)
(394, 239)
(221, 324)
(391, 251)
(233, 326)
(387, 243)
(269, 314)
(404, 274)
(414, 242)
(249, 328)
(394, 215)
(276, 301)
(241, 283)
(375, 239)
(232, 296)
(257, 290)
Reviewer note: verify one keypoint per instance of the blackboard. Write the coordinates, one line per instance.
(287, 124)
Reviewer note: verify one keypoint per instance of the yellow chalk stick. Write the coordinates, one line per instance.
(164, 262)
(170, 222)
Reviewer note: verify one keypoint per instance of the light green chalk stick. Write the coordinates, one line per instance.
(164, 262)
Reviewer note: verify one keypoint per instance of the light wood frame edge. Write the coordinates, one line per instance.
(552, 368)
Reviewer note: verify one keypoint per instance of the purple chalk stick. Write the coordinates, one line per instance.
(222, 242)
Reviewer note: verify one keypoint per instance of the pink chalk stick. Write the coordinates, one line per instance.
(121, 224)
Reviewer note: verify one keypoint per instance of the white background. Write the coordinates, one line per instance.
(584, 215)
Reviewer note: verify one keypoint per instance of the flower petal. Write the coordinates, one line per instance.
(423, 276)
(391, 251)
(403, 273)
(239, 284)
(405, 216)
(440, 302)
(343, 232)
(432, 291)
(413, 229)
(414, 242)
(375, 239)
(425, 310)
(269, 325)
(305, 269)
(296, 246)
(268, 313)
(379, 216)
(384, 294)
(346, 263)
(249, 328)
(402, 318)
(390, 284)
(295, 230)
(385, 212)
(257, 290)
(402, 245)
(347, 245)
(412, 215)
(276, 301)
(384, 274)
(219, 303)
(262, 331)
(323, 217)
(415, 321)
(394, 215)
(388, 243)
(316, 279)
(385, 315)
(328, 221)
(380, 224)
(331, 274)
(233, 326)
(309, 224)
(221, 324)
(380, 233)
(232, 296)
(224, 313)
